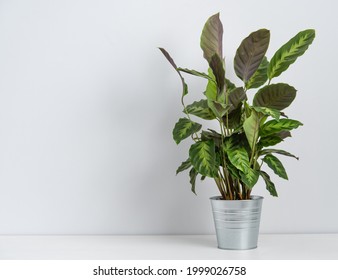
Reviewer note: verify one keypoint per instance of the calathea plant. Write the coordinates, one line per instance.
(238, 154)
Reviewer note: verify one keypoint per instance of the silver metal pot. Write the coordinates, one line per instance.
(237, 222)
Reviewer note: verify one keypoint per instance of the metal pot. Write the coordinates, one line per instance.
(237, 222)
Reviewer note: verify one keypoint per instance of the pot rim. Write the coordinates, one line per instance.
(253, 197)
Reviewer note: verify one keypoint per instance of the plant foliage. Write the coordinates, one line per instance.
(235, 155)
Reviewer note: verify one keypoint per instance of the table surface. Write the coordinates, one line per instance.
(164, 247)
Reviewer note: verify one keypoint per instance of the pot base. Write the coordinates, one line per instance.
(237, 249)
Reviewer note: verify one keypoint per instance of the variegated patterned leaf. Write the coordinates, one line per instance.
(184, 128)
(203, 157)
(275, 164)
(289, 52)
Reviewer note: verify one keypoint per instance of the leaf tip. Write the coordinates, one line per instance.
(312, 30)
(177, 141)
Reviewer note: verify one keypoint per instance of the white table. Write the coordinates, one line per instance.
(157, 247)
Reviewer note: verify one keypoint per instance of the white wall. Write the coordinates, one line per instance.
(87, 106)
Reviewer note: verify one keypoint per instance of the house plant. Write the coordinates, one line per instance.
(238, 153)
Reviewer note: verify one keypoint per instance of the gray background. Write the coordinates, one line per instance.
(87, 106)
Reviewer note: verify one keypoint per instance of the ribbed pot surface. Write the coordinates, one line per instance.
(237, 222)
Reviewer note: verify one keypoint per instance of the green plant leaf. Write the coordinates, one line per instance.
(270, 140)
(200, 109)
(232, 170)
(231, 142)
(193, 174)
(171, 61)
(275, 164)
(274, 139)
(194, 73)
(229, 85)
(211, 90)
(236, 97)
(260, 77)
(184, 165)
(203, 157)
(217, 68)
(276, 96)
(289, 52)
(270, 186)
(184, 128)
(239, 158)
(211, 38)
(218, 108)
(250, 54)
(268, 112)
(233, 119)
(212, 135)
(274, 126)
(251, 128)
(250, 177)
(281, 152)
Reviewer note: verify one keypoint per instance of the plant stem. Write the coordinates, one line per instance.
(225, 173)
(229, 185)
(186, 112)
(220, 188)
